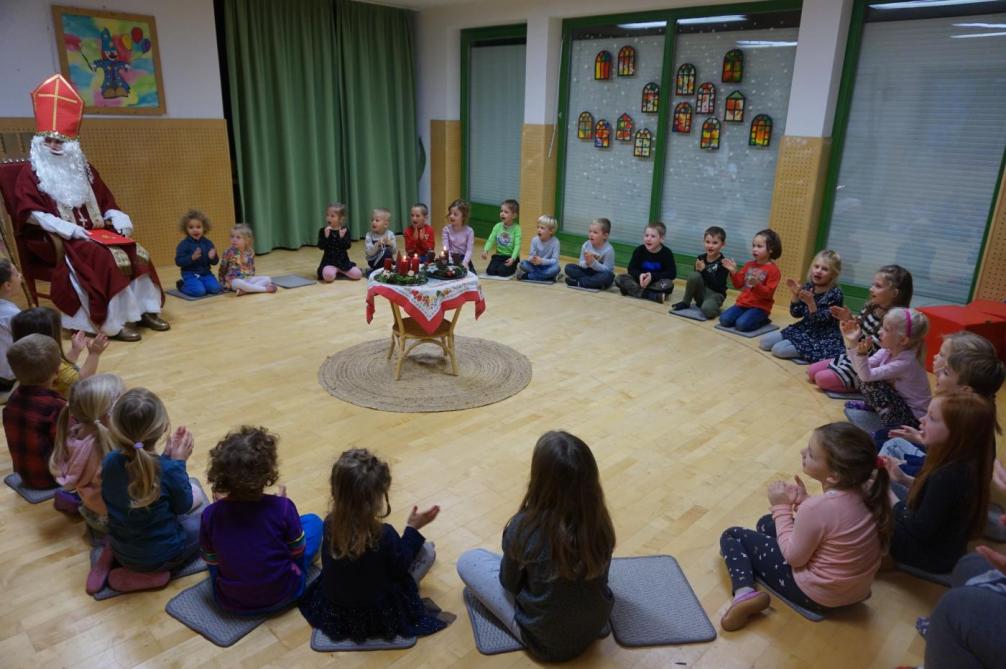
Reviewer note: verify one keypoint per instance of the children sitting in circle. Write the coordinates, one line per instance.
(816, 336)
(542, 263)
(757, 280)
(707, 285)
(237, 267)
(505, 237)
(334, 241)
(458, 237)
(595, 269)
(369, 583)
(893, 380)
(652, 268)
(822, 551)
(940, 510)
(258, 547)
(891, 287)
(46, 321)
(82, 442)
(379, 242)
(550, 587)
(419, 238)
(195, 255)
(10, 286)
(153, 507)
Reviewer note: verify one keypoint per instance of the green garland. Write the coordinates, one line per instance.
(435, 272)
(395, 279)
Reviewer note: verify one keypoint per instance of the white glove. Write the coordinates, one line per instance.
(120, 221)
(57, 226)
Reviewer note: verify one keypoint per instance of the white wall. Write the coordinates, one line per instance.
(187, 44)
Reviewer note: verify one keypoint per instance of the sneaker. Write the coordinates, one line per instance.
(572, 282)
(653, 296)
(678, 306)
(743, 608)
(622, 290)
(858, 405)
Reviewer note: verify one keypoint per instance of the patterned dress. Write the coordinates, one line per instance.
(236, 265)
(817, 335)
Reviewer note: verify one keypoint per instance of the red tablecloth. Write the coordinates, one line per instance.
(428, 303)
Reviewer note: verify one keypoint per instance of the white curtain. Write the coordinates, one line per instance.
(496, 118)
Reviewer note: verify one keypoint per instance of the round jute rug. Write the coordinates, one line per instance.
(488, 372)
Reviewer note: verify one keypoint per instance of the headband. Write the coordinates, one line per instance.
(908, 323)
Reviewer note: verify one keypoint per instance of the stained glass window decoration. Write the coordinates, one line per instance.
(761, 131)
(623, 128)
(682, 117)
(651, 98)
(733, 107)
(626, 61)
(585, 126)
(643, 145)
(710, 139)
(602, 134)
(602, 65)
(684, 82)
(733, 66)
(705, 103)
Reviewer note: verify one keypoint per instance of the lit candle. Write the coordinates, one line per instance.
(414, 265)
(388, 264)
(403, 264)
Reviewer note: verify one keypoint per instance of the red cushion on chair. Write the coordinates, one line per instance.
(34, 249)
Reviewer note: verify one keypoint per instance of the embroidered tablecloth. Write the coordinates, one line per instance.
(428, 303)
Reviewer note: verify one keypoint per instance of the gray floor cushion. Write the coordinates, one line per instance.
(851, 395)
(538, 283)
(179, 294)
(768, 327)
(586, 290)
(292, 281)
(868, 421)
(491, 637)
(194, 566)
(321, 643)
(32, 495)
(939, 579)
(693, 313)
(492, 277)
(806, 613)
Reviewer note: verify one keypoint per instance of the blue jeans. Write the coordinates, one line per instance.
(313, 527)
(968, 624)
(586, 277)
(539, 272)
(198, 285)
(744, 319)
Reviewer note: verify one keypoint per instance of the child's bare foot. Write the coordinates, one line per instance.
(271, 288)
(238, 293)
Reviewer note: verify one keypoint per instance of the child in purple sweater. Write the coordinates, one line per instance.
(257, 546)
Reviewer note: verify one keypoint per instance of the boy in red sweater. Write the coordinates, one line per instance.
(757, 280)
(419, 235)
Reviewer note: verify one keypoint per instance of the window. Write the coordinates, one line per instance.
(705, 103)
(626, 61)
(921, 149)
(602, 65)
(623, 129)
(710, 134)
(733, 67)
(585, 126)
(684, 82)
(683, 117)
(733, 109)
(643, 146)
(602, 134)
(761, 131)
(651, 98)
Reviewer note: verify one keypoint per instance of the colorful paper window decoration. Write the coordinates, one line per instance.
(684, 82)
(602, 134)
(585, 126)
(602, 65)
(683, 117)
(733, 66)
(705, 103)
(710, 134)
(761, 131)
(623, 128)
(626, 61)
(651, 98)
(643, 146)
(733, 108)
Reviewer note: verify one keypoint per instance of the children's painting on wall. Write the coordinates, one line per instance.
(111, 59)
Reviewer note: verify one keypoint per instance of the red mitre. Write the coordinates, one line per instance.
(58, 108)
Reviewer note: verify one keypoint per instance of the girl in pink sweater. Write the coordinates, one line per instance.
(826, 555)
(82, 441)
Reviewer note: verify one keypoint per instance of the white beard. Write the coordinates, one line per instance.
(66, 177)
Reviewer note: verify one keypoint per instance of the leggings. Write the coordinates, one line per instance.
(330, 272)
(780, 347)
(479, 569)
(748, 553)
(252, 284)
(498, 267)
(825, 378)
(888, 403)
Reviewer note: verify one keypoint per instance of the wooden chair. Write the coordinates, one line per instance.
(38, 252)
(407, 328)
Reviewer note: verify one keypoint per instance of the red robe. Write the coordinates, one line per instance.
(96, 270)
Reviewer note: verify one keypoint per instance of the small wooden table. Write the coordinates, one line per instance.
(427, 306)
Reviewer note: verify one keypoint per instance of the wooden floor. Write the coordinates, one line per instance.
(688, 425)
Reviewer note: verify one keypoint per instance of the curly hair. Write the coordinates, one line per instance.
(183, 222)
(244, 463)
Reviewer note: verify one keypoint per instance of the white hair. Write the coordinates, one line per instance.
(66, 176)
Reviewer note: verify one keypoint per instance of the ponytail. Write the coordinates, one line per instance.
(877, 500)
(60, 453)
(89, 402)
(139, 419)
(144, 472)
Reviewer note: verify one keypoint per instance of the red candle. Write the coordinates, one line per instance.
(403, 264)
(388, 264)
(414, 265)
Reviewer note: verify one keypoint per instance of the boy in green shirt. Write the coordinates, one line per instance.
(506, 238)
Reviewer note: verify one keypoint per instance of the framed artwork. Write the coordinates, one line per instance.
(682, 118)
(710, 139)
(602, 65)
(733, 67)
(623, 128)
(643, 145)
(705, 102)
(733, 108)
(626, 61)
(651, 98)
(761, 131)
(111, 59)
(602, 134)
(684, 81)
(585, 126)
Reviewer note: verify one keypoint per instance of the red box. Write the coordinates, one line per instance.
(993, 308)
(944, 320)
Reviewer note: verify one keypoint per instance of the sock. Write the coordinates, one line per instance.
(741, 592)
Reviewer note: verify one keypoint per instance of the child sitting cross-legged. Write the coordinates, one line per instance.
(257, 546)
(542, 263)
(707, 285)
(892, 380)
(596, 266)
(505, 237)
(369, 584)
(379, 243)
(31, 414)
(818, 551)
(816, 335)
(652, 269)
(334, 241)
(43, 320)
(419, 238)
(237, 267)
